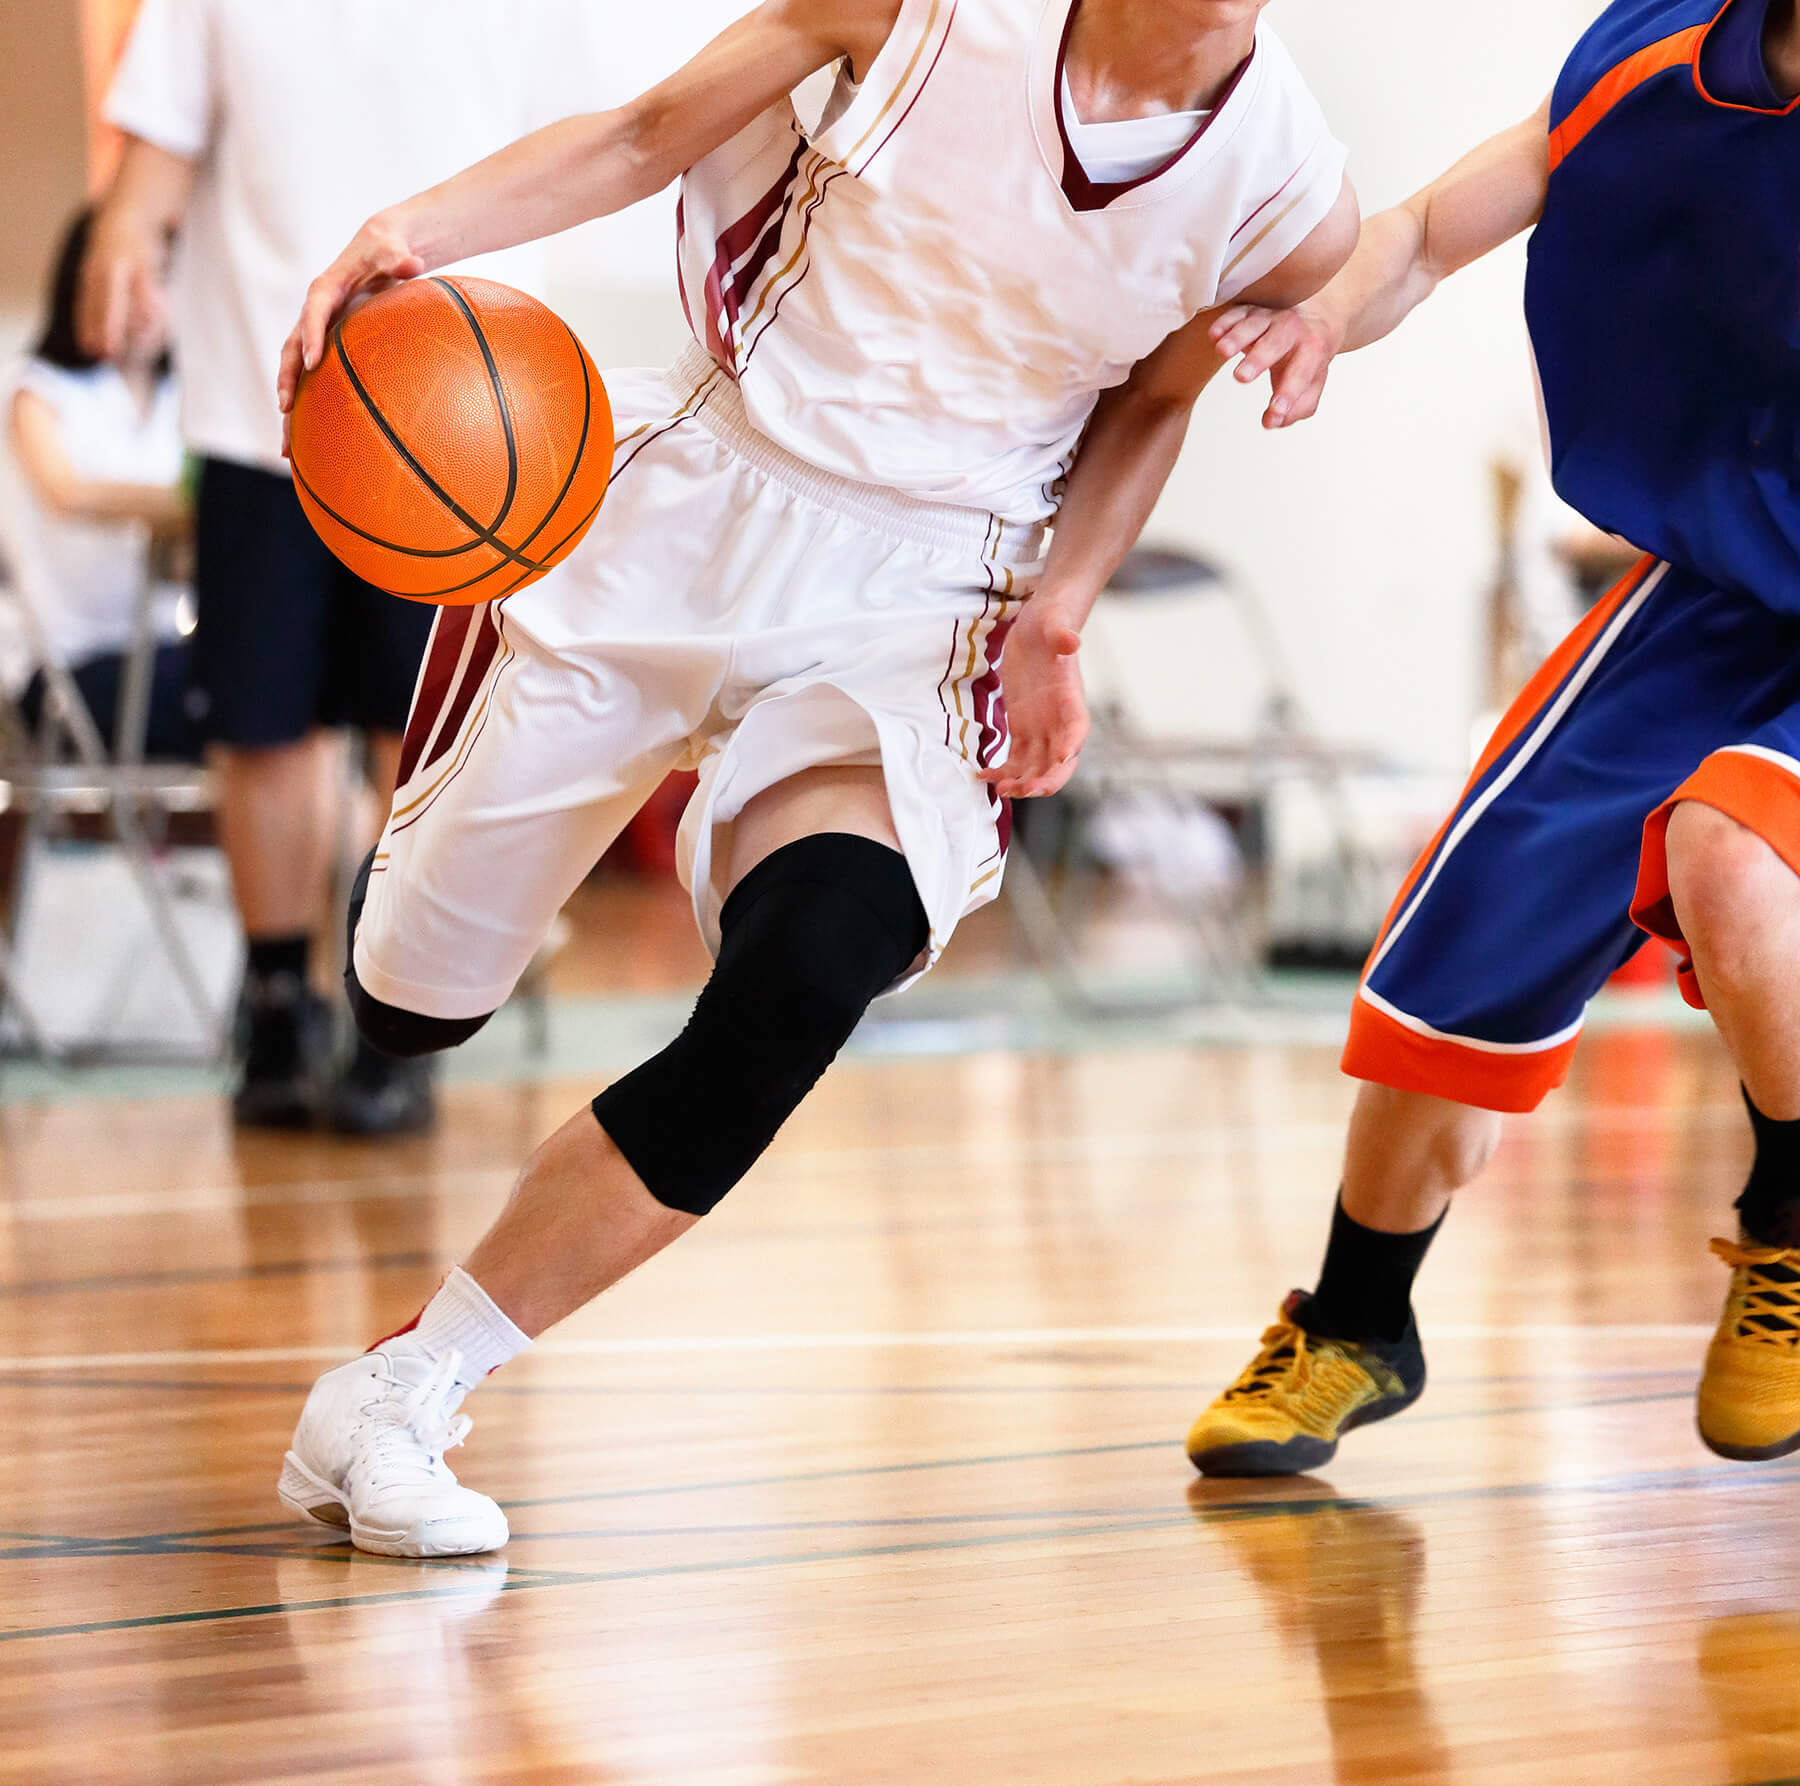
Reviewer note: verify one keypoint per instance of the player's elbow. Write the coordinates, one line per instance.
(641, 142)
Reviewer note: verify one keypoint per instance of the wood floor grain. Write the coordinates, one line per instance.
(877, 1478)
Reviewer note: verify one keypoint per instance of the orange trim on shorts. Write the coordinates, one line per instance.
(1620, 83)
(1762, 796)
(1388, 1053)
(1533, 698)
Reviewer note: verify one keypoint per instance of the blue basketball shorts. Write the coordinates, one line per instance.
(1551, 871)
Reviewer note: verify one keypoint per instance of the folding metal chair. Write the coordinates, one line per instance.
(109, 790)
(1194, 711)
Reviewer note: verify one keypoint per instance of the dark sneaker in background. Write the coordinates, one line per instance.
(376, 1095)
(284, 1047)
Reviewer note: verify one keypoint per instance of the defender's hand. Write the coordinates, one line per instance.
(1295, 347)
(378, 256)
(1040, 680)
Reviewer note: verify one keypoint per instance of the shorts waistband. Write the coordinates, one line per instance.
(938, 526)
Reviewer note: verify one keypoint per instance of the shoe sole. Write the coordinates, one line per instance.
(302, 1492)
(1295, 1457)
(1751, 1454)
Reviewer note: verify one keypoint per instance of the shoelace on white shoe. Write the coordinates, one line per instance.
(416, 1428)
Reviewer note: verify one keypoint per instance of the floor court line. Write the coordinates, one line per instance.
(1700, 1477)
(657, 1345)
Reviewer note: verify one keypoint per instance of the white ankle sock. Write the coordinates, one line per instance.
(463, 1316)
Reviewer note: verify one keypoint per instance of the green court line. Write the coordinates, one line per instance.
(711, 1566)
(796, 1478)
(1698, 1477)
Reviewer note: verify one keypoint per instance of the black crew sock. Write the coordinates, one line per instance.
(1365, 1286)
(269, 957)
(1770, 1206)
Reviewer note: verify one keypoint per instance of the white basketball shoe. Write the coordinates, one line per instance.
(369, 1454)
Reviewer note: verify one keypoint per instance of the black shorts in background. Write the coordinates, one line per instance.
(287, 639)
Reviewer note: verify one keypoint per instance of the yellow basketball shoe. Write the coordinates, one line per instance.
(1300, 1395)
(1749, 1404)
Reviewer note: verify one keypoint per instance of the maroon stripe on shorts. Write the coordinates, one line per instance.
(434, 686)
(487, 643)
(989, 703)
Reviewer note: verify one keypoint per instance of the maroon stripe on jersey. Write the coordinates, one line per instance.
(487, 643)
(723, 291)
(794, 284)
(434, 686)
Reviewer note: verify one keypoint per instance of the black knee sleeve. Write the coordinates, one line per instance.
(807, 939)
(403, 1034)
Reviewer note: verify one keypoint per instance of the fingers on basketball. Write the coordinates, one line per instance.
(453, 443)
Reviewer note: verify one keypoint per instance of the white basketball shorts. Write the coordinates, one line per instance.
(732, 610)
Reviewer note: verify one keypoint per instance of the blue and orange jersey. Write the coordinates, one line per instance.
(1664, 295)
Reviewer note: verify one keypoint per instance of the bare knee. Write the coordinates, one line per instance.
(1726, 886)
(1430, 1144)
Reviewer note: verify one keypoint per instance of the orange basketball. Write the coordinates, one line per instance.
(455, 441)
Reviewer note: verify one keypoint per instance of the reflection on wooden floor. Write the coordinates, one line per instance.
(878, 1477)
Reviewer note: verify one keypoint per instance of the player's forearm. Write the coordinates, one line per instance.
(1491, 195)
(1386, 279)
(1130, 448)
(555, 178)
(593, 165)
(148, 196)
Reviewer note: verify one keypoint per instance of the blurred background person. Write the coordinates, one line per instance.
(259, 133)
(95, 451)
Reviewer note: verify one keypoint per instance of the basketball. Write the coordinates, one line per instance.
(454, 443)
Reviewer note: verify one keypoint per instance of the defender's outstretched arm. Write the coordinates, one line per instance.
(1127, 453)
(1486, 199)
(593, 165)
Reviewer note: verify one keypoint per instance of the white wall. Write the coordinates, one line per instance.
(1371, 529)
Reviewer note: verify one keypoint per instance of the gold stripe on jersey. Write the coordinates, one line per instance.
(814, 188)
(905, 81)
(1263, 234)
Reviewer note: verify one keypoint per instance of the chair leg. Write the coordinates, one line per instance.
(136, 848)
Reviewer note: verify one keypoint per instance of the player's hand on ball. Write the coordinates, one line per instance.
(1040, 678)
(379, 255)
(1295, 347)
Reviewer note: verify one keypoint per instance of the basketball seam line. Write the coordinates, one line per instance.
(493, 372)
(418, 470)
(587, 416)
(375, 539)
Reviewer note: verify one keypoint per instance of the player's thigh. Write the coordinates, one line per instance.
(264, 590)
(866, 733)
(849, 799)
(1521, 909)
(517, 774)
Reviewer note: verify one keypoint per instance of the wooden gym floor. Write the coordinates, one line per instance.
(877, 1478)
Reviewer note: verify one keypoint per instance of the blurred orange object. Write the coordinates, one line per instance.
(1652, 965)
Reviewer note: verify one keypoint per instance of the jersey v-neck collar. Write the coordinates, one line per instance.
(1051, 126)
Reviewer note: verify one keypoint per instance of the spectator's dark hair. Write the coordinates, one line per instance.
(59, 344)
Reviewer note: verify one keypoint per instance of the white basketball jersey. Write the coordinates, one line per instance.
(928, 293)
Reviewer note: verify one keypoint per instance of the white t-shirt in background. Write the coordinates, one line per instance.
(92, 572)
(305, 116)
